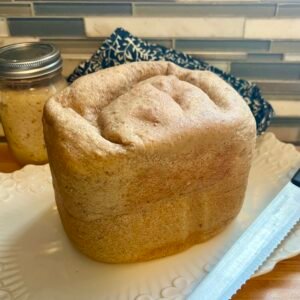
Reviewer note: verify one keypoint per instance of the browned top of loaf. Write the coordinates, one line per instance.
(139, 104)
(110, 134)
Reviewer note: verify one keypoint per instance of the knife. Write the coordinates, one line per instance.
(253, 247)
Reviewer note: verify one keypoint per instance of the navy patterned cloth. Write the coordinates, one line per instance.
(122, 47)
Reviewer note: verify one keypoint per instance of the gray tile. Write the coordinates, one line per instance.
(237, 56)
(222, 45)
(75, 46)
(161, 42)
(192, 9)
(285, 46)
(275, 89)
(81, 9)
(286, 121)
(281, 71)
(288, 10)
(264, 57)
(217, 56)
(90, 45)
(15, 9)
(46, 27)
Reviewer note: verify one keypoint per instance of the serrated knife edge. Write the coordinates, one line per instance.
(266, 257)
(253, 247)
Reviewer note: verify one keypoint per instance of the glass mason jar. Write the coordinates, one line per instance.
(30, 73)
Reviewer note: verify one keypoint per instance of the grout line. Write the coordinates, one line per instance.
(83, 19)
(32, 9)
(229, 67)
(270, 46)
(244, 28)
(7, 27)
(284, 57)
(277, 9)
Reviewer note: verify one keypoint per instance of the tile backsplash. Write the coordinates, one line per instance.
(254, 39)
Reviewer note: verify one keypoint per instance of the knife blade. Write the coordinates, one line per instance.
(253, 247)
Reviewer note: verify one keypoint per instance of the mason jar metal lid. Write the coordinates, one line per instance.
(29, 60)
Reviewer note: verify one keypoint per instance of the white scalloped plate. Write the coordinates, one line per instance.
(38, 262)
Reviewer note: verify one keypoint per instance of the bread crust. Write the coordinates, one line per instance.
(147, 159)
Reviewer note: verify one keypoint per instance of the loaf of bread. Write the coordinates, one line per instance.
(147, 159)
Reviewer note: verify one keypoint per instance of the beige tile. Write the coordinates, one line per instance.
(272, 29)
(3, 27)
(215, 55)
(1, 130)
(75, 56)
(292, 57)
(284, 108)
(286, 134)
(224, 66)
(69, 65)
(14, 40)
(166, 27)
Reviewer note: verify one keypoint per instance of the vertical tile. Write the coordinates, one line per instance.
(81, 8)
(201, 9)
(46, 26)
(3, 27)
(272, 29)
(167, 27)
(15, 9)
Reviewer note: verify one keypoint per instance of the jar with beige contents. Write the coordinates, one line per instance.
(30, 73)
